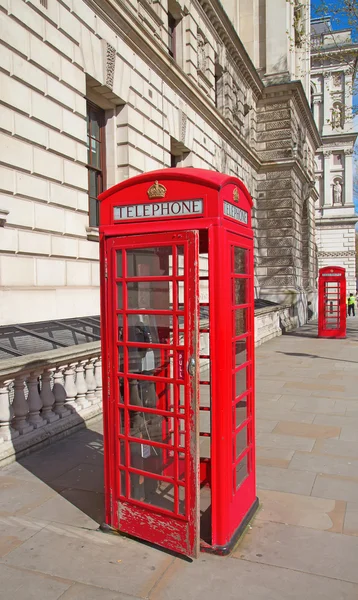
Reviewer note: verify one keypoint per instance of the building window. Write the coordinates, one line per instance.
(172, 23)
(95, 159)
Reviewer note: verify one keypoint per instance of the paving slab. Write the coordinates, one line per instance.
(271, 440)
(338, 448)
(308, 430)
(82, 477)
(337, 488)
(302, 549)
(98, 559)
(14, 531)
(285, 480)
(231, 579)
(25, 585)
(78, 591)
(81, 508)
(330, 465)
(19, 496)
(303, 511)
(351, 519)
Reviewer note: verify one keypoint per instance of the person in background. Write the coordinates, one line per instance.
(351, 302)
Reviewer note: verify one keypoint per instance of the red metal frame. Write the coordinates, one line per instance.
(332, 309)
(219, 232)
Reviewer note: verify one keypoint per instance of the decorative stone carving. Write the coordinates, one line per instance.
(183, 124)
(110, 65)
(349, 152)
(337, 192)
(337, 116)
(327, 153)
(201, 52)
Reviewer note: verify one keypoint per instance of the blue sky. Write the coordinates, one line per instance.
(340, 21)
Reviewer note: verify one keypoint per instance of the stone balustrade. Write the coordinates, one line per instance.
(44, 396)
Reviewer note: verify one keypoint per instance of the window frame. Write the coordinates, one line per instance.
(101, 170)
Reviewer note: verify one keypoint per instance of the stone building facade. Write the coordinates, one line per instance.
(334, 58)
(93, 92)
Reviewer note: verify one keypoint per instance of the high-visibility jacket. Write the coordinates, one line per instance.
(351, 300)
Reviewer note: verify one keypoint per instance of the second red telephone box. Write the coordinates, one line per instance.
(177, 316)
(332, 309)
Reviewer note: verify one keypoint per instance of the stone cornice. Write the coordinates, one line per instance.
(336, 222)
(121, 20)
(294, 89)
(230, 38)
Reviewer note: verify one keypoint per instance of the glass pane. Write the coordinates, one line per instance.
(119, 296)
(121, 390)
(240, 260)
(180, 261)
(148, 294)
(241, 441)
(241, 471)
(120, 327)
(121, 417)
(94, 118)
(240, 296)
(240, 382)
(205, 421)
(181, 296)
(123, 490)
(150, 329)
(240, 352)
(204, 347)
(146, 426)
(204, 366)
(240, 412)
(204, 290)
(204, 317)
(119, 263)
(241, 325)
(204, 395)
(94, 153)
(93, 212)
(150, 361)
(147, 458)
(122, 452)
(181, 497)
(150, 262)
(93, 189)
(152, 491)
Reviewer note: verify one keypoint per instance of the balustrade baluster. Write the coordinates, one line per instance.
(6, 414)
(20, 407)
(60, 394)
(34, 401)
(70, 387)
(81, 386)
(90, 382)
(47, 397)
(98, 377)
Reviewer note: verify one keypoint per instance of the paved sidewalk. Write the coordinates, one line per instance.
(303, 543)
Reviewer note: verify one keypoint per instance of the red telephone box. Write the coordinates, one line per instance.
(177, 304)
(332, 309)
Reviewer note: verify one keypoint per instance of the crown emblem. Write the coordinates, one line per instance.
(235, 195)
(157, 190)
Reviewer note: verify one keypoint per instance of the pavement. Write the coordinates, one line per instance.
(302, 544)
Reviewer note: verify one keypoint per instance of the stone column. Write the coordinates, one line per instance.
(327, 195)
(6, 414)
(327, 101)
(348, 177)
(316, 113)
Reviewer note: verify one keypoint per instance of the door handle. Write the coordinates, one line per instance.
(192, 366)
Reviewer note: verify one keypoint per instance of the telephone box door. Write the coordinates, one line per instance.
(152, 314)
